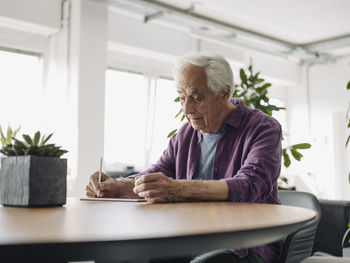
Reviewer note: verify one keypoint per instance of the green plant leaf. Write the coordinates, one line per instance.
(32, 150)
(348, 86)
(250, 68)
(19, 148)
(172, 133)
(61, 152)
(347, 141)
(16, 131)
(274, 108)
(286, 158)
(20, 143)
(177, 115)
(9, 132)
(27, 139)
(243, 75)
(344, 238)
(297, 155)
(301, 146)
(2, 137)
(44, 140)
(8, 150)
(183, 117)
(1, 132)
(284, 179)
(177, 99)
(266, 85)
(36, 138)
(242, 94)
(9, 135)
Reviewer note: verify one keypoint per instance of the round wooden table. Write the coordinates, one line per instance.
(119, 231)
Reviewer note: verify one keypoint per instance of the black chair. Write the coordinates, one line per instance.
(332, 227)
(298, 245)
(326, 260)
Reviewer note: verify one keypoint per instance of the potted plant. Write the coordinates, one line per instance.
(32, 173)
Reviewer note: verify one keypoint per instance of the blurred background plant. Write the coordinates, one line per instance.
(253, 90)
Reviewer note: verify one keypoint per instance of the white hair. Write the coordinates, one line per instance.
(218, 70)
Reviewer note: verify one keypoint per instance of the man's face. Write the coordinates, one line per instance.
(199, 104)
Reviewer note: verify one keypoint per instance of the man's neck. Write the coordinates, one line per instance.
(226, 112)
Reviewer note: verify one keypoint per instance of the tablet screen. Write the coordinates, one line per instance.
(113, 199)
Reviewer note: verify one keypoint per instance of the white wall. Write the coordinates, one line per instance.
(38, 16)
(328, 101)
(25, 25)
(320, 120)
(88, 64)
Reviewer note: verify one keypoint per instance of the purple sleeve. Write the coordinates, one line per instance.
(166, 163)
(258, 175)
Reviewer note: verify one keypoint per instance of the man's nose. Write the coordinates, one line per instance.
(187, 107)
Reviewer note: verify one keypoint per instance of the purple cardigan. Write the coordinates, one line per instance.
(247, 158)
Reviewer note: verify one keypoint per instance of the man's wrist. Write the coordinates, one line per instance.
(126, 187)
(203, 190)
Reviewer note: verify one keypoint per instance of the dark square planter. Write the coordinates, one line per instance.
(33, 181)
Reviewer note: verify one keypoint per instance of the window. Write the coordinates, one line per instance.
(280, 115)
(126, 103)
(139, 114)
(21, 92)
(27, 103)
(164, 120)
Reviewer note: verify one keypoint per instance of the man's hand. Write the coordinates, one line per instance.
(110, 187)
(158, 188)
(94, 186)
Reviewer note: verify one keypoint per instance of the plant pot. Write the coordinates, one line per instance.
(32, 181)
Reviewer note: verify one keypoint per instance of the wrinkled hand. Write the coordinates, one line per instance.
(110, 187)
(157, 188)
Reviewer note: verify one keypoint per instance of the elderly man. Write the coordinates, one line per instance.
(226, 152)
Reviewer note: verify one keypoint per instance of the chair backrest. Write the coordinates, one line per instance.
(298, 245)
(326, 260)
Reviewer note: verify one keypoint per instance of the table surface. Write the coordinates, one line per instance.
(104, 221)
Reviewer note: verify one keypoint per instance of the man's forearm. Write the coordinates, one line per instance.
(203, 190)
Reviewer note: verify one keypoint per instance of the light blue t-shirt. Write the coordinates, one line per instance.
(204, 169)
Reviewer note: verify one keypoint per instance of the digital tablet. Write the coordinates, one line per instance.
(112, 199)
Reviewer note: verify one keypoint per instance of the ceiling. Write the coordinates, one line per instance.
(310, 30)
(295, 21)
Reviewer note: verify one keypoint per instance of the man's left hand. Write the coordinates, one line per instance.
(157, 188)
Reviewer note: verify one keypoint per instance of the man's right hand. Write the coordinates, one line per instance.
(110, 187)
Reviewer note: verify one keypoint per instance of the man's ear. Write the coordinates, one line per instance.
(226, 93)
